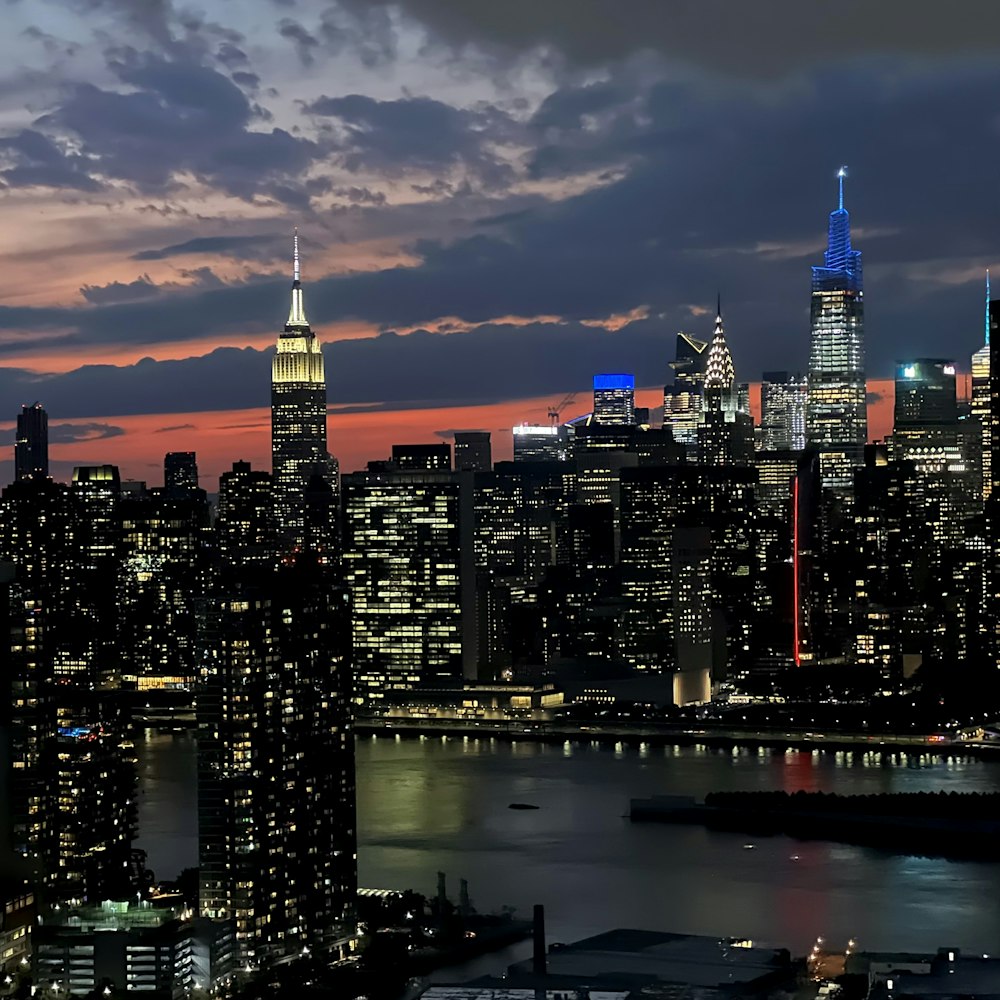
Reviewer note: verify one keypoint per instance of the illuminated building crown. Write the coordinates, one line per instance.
(719, 371)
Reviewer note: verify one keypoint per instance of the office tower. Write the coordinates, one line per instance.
(298, 414)
(31, 447)
(682, 400)
(894, 560)
(656, 502)
(836, 411)
(409, 565)
(928, 433)
(244, 525)
(421, 457)
(614, 399)
(180, 472)
(783, 411)
(725, 432)
(540, 443)
(981, 400)
(472, 451)
(519, 508)
(276, 810)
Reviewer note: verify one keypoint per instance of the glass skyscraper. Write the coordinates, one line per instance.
(614, 399)
(298, 415)
(836, 413)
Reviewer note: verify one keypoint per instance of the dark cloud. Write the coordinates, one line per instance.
(241, 247)
(744, 39)
(72, 433)
(483, 365)
(31, 159)
(175, 427)
(142, 288)
(305, 43)
(417, 133)
(180, 118)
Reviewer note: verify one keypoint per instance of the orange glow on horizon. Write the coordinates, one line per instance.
(221, 437)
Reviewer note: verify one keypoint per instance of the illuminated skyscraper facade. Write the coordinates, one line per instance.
(783, 411)
(682, 401)
(836, 413)
(410, 566)
(276, 812)
(614, 399)
(725, 430)
(981, 401)
(298, 415)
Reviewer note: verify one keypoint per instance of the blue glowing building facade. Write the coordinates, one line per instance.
(614, 399)
(836, 411)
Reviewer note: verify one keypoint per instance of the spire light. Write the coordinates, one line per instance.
(841, 174)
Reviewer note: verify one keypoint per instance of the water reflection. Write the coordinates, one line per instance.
(442, 805)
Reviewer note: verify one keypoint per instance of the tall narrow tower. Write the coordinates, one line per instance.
(298, 414)
(31, 447)
(836, 412)
(981, 400)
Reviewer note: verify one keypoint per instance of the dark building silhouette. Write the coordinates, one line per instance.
(31, 446)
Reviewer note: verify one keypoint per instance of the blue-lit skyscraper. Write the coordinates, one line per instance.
(836, 412)
(614, 399)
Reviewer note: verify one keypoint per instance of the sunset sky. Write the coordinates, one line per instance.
(496, 200)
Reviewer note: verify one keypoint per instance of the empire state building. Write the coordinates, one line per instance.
(298, 415)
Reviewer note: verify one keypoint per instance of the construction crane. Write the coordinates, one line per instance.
(556, 409)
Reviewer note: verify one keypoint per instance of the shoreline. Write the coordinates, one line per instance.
(652, 735)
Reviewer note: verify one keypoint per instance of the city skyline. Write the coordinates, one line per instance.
(512, 192)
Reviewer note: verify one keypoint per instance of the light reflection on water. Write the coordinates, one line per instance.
(433, 805)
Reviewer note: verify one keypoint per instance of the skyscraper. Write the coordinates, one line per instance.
(725, 431)
(614, 399)
(836, 413)
(31, 447)
(180, 472)
(981, 399)
(682, 401)
(783, 411)
(276, 813)
(298, 414)
(410, 565)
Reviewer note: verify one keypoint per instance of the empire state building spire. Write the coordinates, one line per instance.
(297, 313)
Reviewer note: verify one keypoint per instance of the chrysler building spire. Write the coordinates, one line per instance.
(719, 371)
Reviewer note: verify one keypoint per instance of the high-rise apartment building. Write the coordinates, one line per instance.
(614, 399)
(245, 526)
(783, 411)
(31, 447)
(682, 401)
(836, 412)
(298, 415)
(276, 804)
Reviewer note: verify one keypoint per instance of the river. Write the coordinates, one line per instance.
(429, 805)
